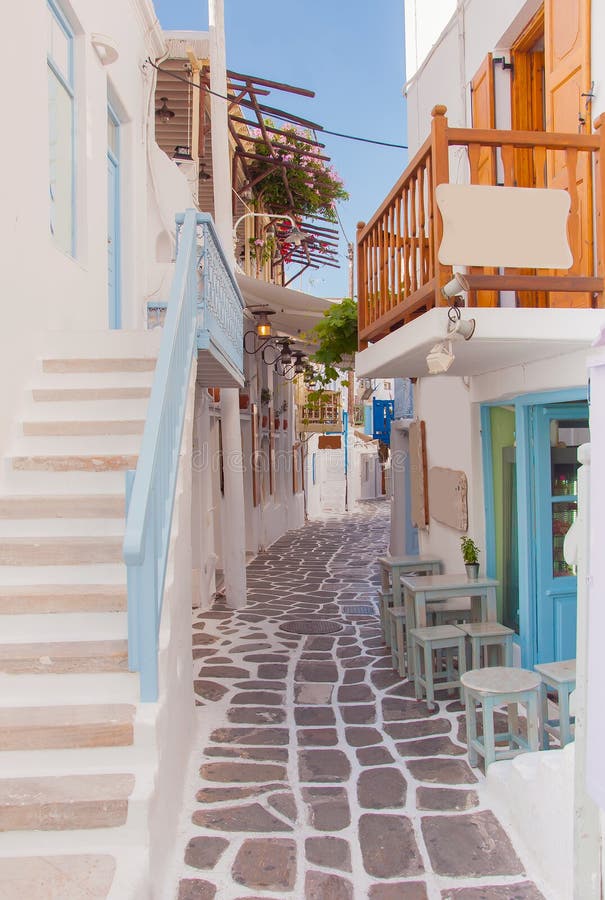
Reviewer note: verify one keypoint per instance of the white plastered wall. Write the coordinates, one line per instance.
(454, 41)
(43, 288)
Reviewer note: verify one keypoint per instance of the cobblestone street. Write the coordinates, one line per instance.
(316, 774)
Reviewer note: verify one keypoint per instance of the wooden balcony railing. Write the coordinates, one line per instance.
(399, 274)
(319, 414)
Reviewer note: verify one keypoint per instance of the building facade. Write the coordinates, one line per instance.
(499, 98)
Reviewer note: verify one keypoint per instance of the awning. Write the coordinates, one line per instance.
(502, 338)
(295, 312)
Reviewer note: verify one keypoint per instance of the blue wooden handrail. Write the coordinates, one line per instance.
(150, 490)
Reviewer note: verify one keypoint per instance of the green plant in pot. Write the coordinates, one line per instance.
(470, 555)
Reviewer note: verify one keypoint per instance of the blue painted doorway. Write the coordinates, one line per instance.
(113, 221)
(558, 430)
(530, 449)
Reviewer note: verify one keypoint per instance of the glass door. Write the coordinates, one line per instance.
(559, 429)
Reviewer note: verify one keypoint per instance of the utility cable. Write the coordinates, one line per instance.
(348, 137)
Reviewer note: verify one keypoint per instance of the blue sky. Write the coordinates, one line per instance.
(351, 53)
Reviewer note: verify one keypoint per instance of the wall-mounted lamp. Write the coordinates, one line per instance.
(458, 326)
(454, 288)
(439, 358)
(274, 351)
(164, 114)
(294, 236)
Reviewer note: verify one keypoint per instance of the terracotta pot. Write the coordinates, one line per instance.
(276, 423)
(285, 424)
(244, 401)
(264, 421)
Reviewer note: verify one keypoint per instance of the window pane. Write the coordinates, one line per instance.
(60, 116)
(58, 46)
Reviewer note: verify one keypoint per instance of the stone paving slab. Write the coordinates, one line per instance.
(316, 774)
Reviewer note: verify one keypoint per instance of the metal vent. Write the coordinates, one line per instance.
(314, 626)
(358, 610)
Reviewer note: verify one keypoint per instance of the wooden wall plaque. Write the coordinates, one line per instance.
(418, 475)
(329, 442)
(448, 493)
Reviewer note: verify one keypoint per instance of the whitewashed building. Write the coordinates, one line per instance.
(502, 97)
(105, 236)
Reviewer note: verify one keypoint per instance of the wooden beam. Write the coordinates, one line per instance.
(247, 122)
(488, 137)
(554, 283)
(279, 86)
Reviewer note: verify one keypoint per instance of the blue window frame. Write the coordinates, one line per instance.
(61, 120)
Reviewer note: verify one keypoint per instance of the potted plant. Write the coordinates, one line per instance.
(470, 555)
(265, 396)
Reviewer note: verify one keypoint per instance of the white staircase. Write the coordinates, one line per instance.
(76, 758)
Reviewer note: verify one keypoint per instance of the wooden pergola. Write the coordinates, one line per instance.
(321, 246)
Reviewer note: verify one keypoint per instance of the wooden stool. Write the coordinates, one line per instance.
(423, 642)
(561, 677)
(393, 567)
(493, 687)
(385, 602)
(489, 634)
(449, 612)
(397, 617)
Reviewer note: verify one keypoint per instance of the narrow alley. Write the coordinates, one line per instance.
(316, 774)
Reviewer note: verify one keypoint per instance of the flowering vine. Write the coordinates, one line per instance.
(315, 186)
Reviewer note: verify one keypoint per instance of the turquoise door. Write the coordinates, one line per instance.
(113, 221)
(558, 430)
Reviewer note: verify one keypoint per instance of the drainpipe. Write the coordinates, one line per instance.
(460, 23)
(233, 520)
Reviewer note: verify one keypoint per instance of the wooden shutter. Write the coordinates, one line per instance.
(527, 114)
(567, 77)
(483, 162)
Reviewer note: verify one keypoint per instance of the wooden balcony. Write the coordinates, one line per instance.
(319, 415)
(399, 274)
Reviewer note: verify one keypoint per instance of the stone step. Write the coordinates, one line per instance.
(18, 482)
(59, 803)
(62, 506)
(108, 462)
(59, 727)
(62, 598)
(73, 877)
(83, 575)
(60, 551)
(83, 426)
(100, 364)
(64, 657)
(48, 394)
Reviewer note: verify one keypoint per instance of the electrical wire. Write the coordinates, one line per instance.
(340, 134)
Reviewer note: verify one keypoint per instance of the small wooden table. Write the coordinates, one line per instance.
(419, 590)
(393, 567)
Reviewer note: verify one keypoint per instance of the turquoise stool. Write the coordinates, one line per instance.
(397, 619)
(385, 603)
(494, 687)
(423, 643)
(489, 634)
(561, 677)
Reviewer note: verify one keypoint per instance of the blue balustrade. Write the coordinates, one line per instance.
(220, 320)
(202, 299)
